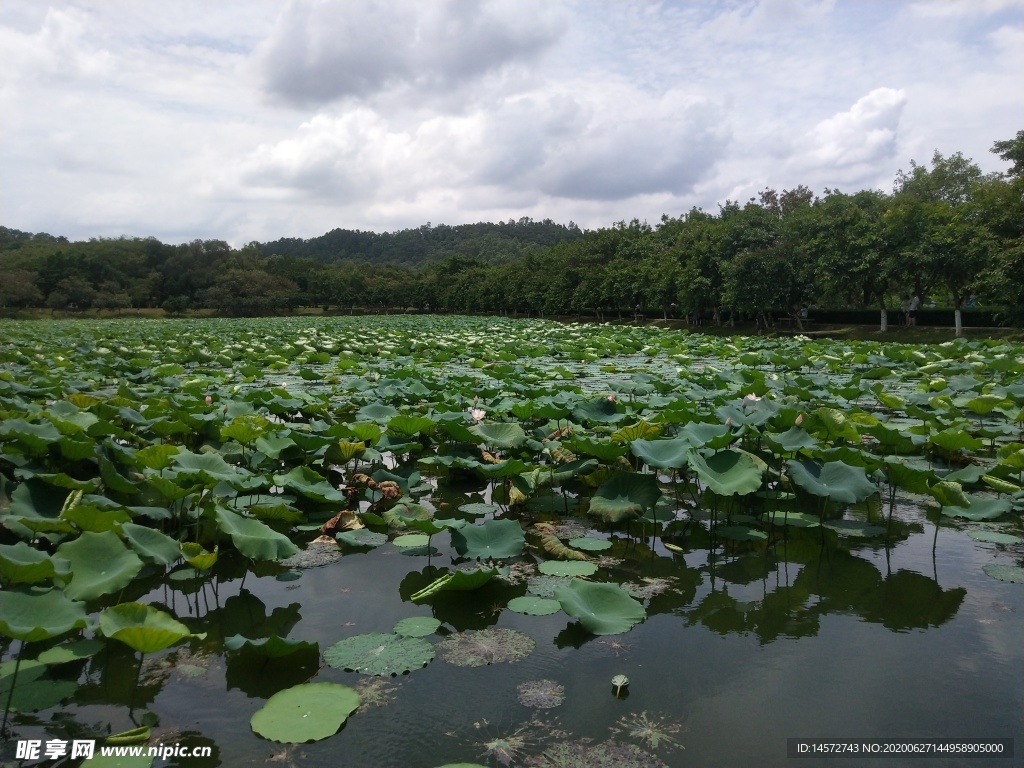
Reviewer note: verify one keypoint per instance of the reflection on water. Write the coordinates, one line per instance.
(745, 644)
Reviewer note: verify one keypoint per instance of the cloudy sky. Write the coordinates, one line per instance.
(257, 119)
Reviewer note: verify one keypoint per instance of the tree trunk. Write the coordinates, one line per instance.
(959, 321)
(885, 320)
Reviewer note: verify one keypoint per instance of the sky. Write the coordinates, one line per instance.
(246, 120)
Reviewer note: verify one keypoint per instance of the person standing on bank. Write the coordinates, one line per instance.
(912, 308)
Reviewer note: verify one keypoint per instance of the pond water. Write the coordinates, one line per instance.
(746, 643)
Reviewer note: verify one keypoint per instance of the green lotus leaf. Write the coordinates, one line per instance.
(35, 437)
(907, 477)
(605, 450)
(834, 480)
(197, 557)
(376, 412)
(207, 468)
(999, 485)
(488, 646)
(792, 440)
(589, 544)
(32, 615)
(949, 494)
(245, 429)
(740, 533)
(503, 436)
(985, 404)
(100, 564)
(278, 448)
(602, 609)
(411, 540)
(980, 509)
(304, 713)
(459, 581)
(308, 483)
(639, 431)
(343, 452)
(836, 424)
(280, 511)
(377, 653)
(796, 519)
(150, 544)
(728, 472)
(480, 508)
(87, 517)
(956, 440)
(567, 568)
(410, 426)
(493, 539)
(362, 537)
(254, 539)
(995, 537)
(701, 435)
(272, 647)
(142, 627)
(417, 626)
(37, 695)
(626, 495)
(662, 454)
(599, 411)
(534, 606)
(73, 651)
(855, 528)
(1012, 573)
(22, 564)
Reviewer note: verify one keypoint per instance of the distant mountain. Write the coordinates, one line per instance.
(493, 243)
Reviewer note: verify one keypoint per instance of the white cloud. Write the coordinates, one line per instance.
(864, 134)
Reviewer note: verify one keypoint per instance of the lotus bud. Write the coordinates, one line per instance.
(209, 399)
(728, 422)
(611, 398)
(799, 419)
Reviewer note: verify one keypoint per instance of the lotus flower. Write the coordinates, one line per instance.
(611, 398)
(209, 399)
(477, 413)
(799, 419)
(752, 396)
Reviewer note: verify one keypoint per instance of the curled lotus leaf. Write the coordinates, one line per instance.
(255, 540)
(306, 712)
(487, 646)
(31, 615)
(377, 653)
(459, 581)
(728, 472)
(23, 564)
(142, 627)
(602, 609)
(835, 480)
(272, 647)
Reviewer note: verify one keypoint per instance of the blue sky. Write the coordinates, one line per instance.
(255, 119)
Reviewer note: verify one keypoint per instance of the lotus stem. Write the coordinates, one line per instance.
(10, 694)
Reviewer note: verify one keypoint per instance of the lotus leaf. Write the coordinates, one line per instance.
(662, 454)
(728, 472)
(198, 557)
(459, 581)
(100, 564)
(995, 537)
(570, 568)
(855, 528)
(835, 480)
(488, 646)
(602, 609)
(150, 544)
(480, 508)
(142, 627)
(22, 564)
(949, 494)
(625, 496)
(272, 647)
(362, 538)
(254, 539)
(980, 509)
(493, 539)
(503, 436)
(534, 606)
(412, 540)
(73, 651)
(304, 713)
(740, 533)
(417, 626)
(305, 481)
(32, 615)
(380, 654)
(540, 694)
(1012, 573)
(639, 431)
(208, 468)
(590, 544)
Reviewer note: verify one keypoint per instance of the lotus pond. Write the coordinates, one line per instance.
(416, 541)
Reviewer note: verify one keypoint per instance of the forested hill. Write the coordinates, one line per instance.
(493, 243)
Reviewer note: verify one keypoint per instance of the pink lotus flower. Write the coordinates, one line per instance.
(611, 398)
(477, 413)
(799, 419)
(752, 396)
(728, 422)
(209, 399)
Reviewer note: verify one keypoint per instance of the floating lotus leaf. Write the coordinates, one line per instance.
(411, 540)
(272, 647)
(488, 646)
(602, 609)
(740, 533)
(377, 653)
(362, 537)
(417, 626)
(142, 627)
(855, 528)
(662, 454)
(36, 695)
(590, 544)
(492, 540)
(540, 694)
(728, 472)
(834, 480)
(995, 537)
(534, 606)
(796, 519)
(254, 539)
(480, 508)
(980, 509)
(503, 436)
(150, 544)
(32, 615)
(459, 581)
(101, 564)
(626, 495)
(304, 713)
(570, 568)
(22, 564)
(1012, 573)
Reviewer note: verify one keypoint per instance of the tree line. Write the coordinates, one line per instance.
(946, 231)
